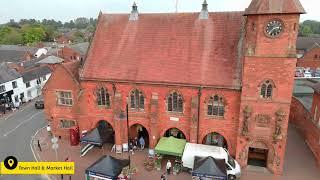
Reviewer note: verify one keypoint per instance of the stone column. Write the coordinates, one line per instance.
(154, 115)
(118, 120)
(194, 121)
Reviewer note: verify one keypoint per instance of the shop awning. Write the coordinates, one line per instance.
(107, 167)
(210, 168)
(170, 146)
(92, 137)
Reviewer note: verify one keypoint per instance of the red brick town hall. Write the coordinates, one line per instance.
(217, 78)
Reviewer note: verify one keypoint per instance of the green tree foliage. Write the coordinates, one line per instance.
(78, 37)
(30, 31)
(9, 35)
(309, 28)
(32, 34)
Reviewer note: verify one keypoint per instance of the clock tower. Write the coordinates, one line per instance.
(267, 81)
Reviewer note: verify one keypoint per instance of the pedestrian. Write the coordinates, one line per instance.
(168, 167)
(68, 160)
(163, 176)
(49, 130)
(135, 143)
(142, 142)
(39, 146)
(131, 147)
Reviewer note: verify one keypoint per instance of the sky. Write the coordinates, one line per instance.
(65, 10)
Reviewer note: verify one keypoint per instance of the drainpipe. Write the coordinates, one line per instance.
(198, 122)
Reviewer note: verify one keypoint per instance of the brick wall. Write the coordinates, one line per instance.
(155, 117)
(307, 124)
(310, 59)
(69, 54)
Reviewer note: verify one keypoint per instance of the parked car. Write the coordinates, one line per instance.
(39, 104)
(307, 73)
(299, 73)
(317, 73)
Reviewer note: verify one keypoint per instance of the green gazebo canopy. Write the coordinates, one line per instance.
(170, 146)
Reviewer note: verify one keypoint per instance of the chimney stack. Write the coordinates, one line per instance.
(134, 16)
(204, 14)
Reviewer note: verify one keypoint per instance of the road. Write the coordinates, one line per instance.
(16, 131)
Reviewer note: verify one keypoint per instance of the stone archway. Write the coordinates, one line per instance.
(215, 139)
(106, 131)
(175, 132)
(260, 154)
(137, 131)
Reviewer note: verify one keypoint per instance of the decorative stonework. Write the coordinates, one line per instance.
(247, 111)
(278, 161)
(263, 120)
(243, 154)
(280, 115)
(250, 50)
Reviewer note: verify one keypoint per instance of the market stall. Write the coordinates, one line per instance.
(107, 168)
(173, 147)
(89, 140)
(208, 168)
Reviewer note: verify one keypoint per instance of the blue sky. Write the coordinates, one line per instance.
(66, 10)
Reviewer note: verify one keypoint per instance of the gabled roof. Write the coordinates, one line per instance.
(51, 60)
(81, 48)
(35, 73)
(275, 7)
(175, 48)
(7, 74)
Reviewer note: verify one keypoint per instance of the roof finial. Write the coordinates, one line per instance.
(134, 13)
(204, 14)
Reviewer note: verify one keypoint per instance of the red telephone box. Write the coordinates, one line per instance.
(74, 136)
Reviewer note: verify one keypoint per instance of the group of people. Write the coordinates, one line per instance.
(134, 143)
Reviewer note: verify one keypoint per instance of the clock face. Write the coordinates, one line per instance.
(274, 28)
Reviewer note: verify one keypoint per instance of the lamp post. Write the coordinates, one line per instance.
(128, 137)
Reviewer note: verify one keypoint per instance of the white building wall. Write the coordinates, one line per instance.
(35, 90)
(16, 91)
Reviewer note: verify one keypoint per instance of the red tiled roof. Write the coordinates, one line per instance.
(167, 48)
(72, 68)
(274, 7)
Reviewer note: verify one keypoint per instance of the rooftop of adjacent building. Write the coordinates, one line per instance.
(304, 89)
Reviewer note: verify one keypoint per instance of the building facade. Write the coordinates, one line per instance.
(222, 78)
(306, 117)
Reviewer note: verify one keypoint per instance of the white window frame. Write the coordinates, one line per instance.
(65, 99)
(2, 88)
(62, 125)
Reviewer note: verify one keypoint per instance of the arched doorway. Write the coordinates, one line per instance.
(258, 154)
(138, 131)
(106, 132)
(215, 139)
(175, 132)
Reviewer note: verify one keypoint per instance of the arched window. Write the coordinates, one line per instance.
(103, 98)
(137, 99)
(175, 102)
(216, 106)
(266, 90)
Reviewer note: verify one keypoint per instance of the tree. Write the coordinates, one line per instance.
(78, 37)
(81, 23)
(9, 35)
(33, 34)
(305, 31)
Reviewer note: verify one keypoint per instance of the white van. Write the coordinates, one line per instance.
(191, 150)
